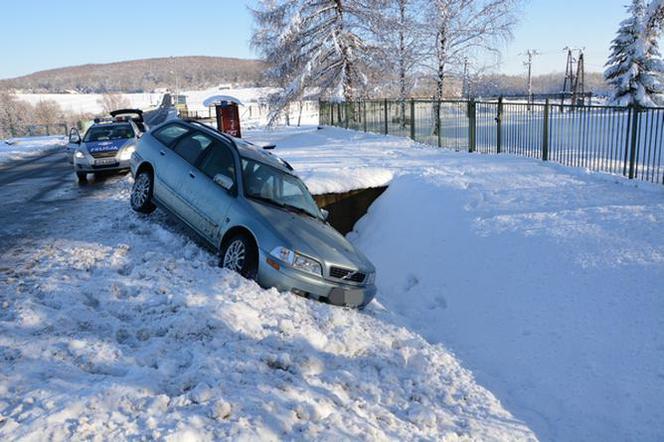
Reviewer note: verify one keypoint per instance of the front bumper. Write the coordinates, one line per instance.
(90, 164)
(288, 279)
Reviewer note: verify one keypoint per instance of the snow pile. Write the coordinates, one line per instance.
(120, 326)
(546, 281)
(17, 148)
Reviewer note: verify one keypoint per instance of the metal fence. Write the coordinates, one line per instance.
(618, 140)
(34, 130)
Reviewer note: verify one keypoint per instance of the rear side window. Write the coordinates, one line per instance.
(170, 133)
(218, 159)
(191, 146)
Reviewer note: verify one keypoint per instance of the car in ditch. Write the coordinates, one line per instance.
(106, 146)
(249, 205)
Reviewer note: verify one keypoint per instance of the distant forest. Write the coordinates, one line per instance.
(142, 75)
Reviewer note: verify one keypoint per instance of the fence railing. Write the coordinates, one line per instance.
(34, 130)
(618, 140)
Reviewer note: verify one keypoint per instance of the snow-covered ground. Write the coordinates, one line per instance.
(546, 281)
(18, 148)
(118, 326)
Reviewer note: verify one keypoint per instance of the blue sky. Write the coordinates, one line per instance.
(37, 35)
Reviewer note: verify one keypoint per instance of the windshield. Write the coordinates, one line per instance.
(110, 132)
(269, 184)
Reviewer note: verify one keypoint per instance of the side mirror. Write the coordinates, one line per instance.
(269, 146)
(74, 136)
(325, 213)
(224, 181)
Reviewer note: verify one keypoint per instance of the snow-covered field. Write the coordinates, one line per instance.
(546, 281)
(118, 326)
(18, 148)
(253, 112)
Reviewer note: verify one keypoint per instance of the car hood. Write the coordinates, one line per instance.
(313, 238)
(106, 146)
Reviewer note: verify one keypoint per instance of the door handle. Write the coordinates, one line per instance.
(162, 152)
(191, 174)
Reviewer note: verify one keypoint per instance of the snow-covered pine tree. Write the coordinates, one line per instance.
(634, 69)
(313, 43)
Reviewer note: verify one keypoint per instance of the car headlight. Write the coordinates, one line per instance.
(125, 154)
(78, 154)
(371, 278)
(297, 261)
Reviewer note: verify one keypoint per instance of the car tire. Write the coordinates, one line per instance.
(141, 193)
(239, 254)
(82, 177)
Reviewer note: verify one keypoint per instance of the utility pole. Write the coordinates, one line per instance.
(530, 53)
(573, 85)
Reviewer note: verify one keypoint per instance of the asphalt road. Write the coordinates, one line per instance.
(41, 195)
(38, 194)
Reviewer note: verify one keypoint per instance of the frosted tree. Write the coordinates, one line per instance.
(634, 68)
(399, 37)
(313, 43)
(462, 27)
(111, 102)
(14, 114)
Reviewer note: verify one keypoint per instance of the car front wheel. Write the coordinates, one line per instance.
(240, 255)
(141, 193)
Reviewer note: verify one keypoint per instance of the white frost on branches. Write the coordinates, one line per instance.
(312, 43)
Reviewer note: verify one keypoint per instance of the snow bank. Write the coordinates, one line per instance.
(18, 148)
(119, 326)
(545, 281)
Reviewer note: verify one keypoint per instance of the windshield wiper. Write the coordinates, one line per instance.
(284, 206)
(299, 210)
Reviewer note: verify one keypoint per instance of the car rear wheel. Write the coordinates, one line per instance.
(141, 193)
(239, 254)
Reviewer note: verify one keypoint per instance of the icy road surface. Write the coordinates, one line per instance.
(546, 281)
(117, 326)
(19, 148)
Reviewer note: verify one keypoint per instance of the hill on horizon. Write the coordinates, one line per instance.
(193, 72)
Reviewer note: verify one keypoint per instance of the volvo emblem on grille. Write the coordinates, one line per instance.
(348, 276)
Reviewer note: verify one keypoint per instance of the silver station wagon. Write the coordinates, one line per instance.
(250, 206)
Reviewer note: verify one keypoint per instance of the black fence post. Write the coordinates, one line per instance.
(346, 113)
(364, 112)
(471, 125)
(440, 125)
(635, 140)
(545, 132)
(385, 112)
(499, 126)
(412, 119)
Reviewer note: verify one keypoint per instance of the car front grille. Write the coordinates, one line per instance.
(106, 154)
(347, 274)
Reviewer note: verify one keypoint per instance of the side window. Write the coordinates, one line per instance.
(170, 133)
(191, 146)
(219, 159)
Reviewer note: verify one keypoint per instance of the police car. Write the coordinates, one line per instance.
(106, 146)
